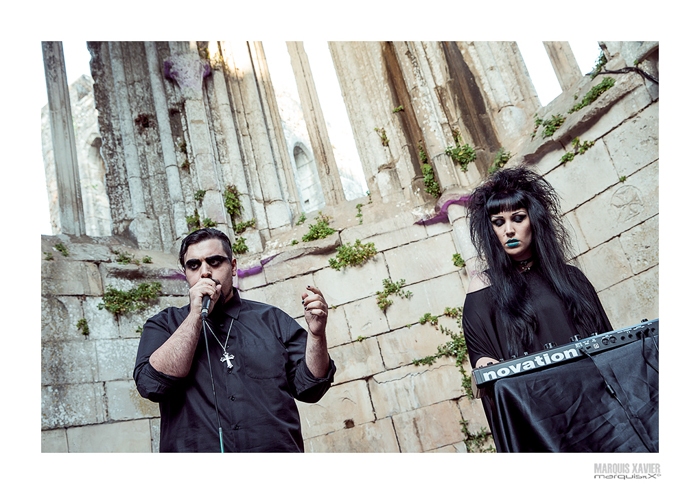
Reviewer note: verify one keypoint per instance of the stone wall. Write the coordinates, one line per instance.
(381, 401)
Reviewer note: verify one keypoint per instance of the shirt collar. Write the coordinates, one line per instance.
(233, 307)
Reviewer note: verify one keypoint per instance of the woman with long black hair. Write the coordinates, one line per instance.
(528, 295)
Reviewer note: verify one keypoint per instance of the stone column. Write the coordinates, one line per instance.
(188, 70)
(70, 201)
(166, 140)
(316, 125)
(271, 210)
(275, 129)
(564, 63)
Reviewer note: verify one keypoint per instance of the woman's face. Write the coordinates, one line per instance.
(514, 232)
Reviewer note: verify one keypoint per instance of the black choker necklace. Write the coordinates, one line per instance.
(523, 265)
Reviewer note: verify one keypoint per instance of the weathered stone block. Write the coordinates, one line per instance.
(385, 226)
(374, 437)
(429, 427)
(635, 144)
(578, 240)
(59, 319)
(71, 405)
(343, 407)
(365, 318)
(473, 413)
(54, 441)
(126, 277)
(429, 296)
(581, 179)
(414, 386)
(459, 447)
(641, 245)
(125, 403)
(621, 207)
(352, 283)
(402, 346)
(606, 264)
(133, 436)
(634, 299)
(61, 277)
(116, 358)
(102, 324)
(287, 294)
(357, 360)
(68, 362)
(422, 260)
(632, 103)
(131, 323)
(289, 267)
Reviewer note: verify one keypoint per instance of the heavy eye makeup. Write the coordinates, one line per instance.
(518, 217)
(213, 261)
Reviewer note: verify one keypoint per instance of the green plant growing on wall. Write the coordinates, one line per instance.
(552, 124)
(500, 160)
(383, 300)
(120, 302)
(193, 221)
(456, 347)
(208, 223)
(185, 165)
(538, 122)
(594, 93)
(234, 207)
(199, 195)
(600, 63)
(320, 229)
(431, 185)
(62, 249)
(48, 256)
(476, 443)
(147, 260)
(458, 261)
(241, 227)
(352, 255)
(239, 246)
(302, 219)
(462, 154)
(578, 148)
(398, 108)
(359, 212)
(382, 135)
(83, 327)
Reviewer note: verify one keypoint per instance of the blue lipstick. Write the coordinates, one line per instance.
(513, 242)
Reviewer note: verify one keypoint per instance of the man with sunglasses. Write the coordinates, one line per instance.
(226, 378)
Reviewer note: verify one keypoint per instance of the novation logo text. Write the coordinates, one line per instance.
(540, 360)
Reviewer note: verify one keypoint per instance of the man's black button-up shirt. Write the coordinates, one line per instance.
(255, 397)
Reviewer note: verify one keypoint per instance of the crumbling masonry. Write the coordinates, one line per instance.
(180, 123)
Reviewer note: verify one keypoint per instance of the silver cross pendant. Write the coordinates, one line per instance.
(228, 358)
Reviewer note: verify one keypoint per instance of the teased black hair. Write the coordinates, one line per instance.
(506, 190)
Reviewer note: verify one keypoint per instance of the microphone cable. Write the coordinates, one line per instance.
(211, 374)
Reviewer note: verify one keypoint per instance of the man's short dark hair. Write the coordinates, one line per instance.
(205, 234)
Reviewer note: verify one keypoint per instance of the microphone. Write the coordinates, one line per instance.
(206, 300)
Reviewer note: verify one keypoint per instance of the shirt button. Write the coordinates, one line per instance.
(232, 398)
(235, 428)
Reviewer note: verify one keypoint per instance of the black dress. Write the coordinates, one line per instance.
(485, 337)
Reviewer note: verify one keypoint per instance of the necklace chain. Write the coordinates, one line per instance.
(227, 357)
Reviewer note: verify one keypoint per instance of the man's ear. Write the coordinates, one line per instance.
(233, 265)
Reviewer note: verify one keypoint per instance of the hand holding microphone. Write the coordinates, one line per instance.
(206, 301)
